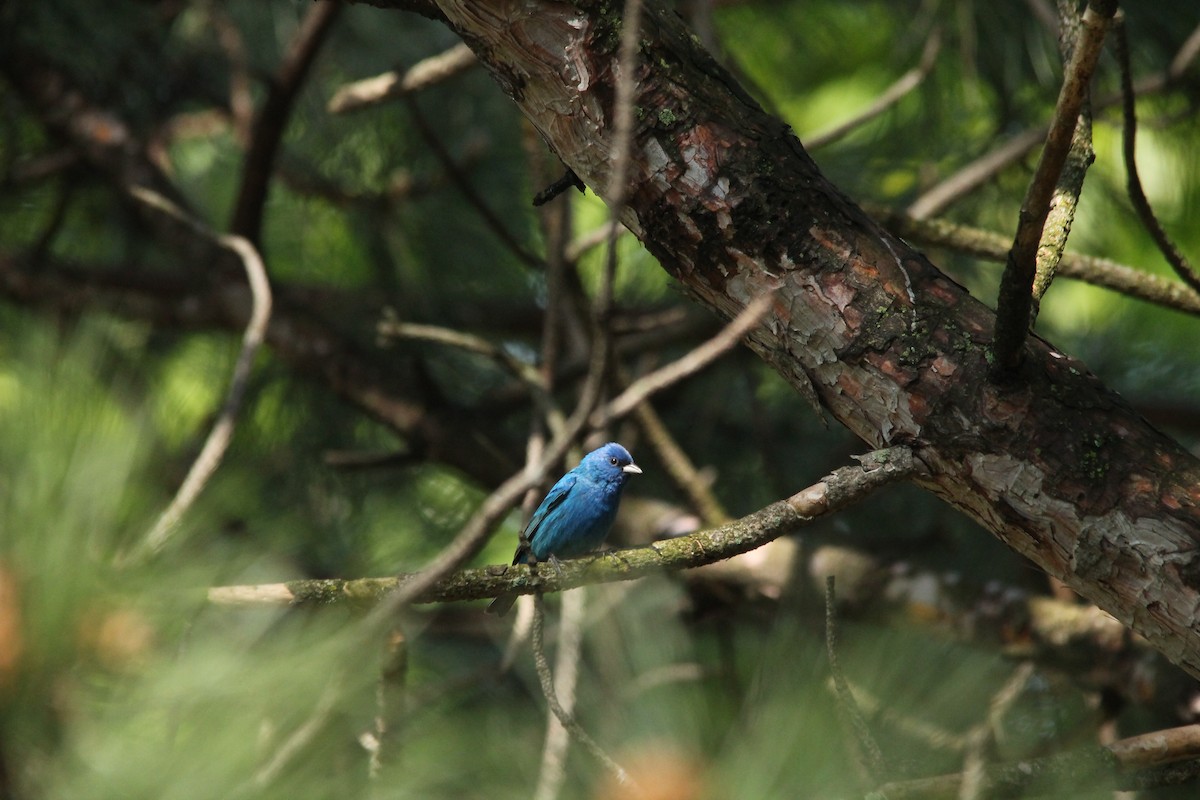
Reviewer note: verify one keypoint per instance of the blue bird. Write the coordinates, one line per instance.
(576, 514)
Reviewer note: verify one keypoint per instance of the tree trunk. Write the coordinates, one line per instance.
(1054, 464)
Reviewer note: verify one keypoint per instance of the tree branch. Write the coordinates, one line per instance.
(888, 98)
(217, 443)
(425, 73)
(564, 717)
(1013, 304)
(1080, 155)
(840, 489)
(1126, 764)
(272, 118)
(1133, 182)
(991, 246)
(973, 175)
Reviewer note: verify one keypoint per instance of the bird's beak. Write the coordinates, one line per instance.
(634, 468)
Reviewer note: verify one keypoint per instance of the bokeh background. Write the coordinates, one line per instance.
(119, 679)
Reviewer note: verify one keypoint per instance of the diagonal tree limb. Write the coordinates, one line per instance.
(1014, 302)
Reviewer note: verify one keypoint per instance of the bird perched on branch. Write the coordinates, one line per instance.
(576, 514)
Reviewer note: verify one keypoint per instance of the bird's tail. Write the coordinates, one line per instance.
(502, 604)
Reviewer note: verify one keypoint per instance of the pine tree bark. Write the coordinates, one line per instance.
(1054, 464)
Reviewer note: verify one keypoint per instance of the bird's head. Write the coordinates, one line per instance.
(612, 461)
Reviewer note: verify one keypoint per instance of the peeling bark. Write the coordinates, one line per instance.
(1054, 464)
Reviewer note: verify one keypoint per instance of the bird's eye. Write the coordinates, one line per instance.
(612, 460)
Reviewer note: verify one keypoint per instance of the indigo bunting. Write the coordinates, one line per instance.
(576, 514)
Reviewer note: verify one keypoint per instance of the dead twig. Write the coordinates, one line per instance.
(421, 75)
(905, 84)
(568, 721)
(566, 672)
(219, 437)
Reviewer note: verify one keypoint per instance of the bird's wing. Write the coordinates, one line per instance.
(554, 498)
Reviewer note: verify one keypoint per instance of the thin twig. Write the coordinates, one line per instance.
(1127, 763)
(679, 467)
(1090, 269)
(241, 95)
(890, 96)
(546, 679)
(979, 740)
(566, 672)
(591, 240)
(388, 689)
(1014, 302)
(688, 365)
(870, 756)
(602, 304)
(531, 376)
(1133, 182)
(300, 737)
(222, 431)
(272, 118)
(468, 192)
(421, 75)
(974, 174)
(627, 62)
(970, 177)
(1080, 156)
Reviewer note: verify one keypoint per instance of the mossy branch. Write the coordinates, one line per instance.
(841, 488)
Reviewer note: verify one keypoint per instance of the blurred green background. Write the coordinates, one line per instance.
(122, 681)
